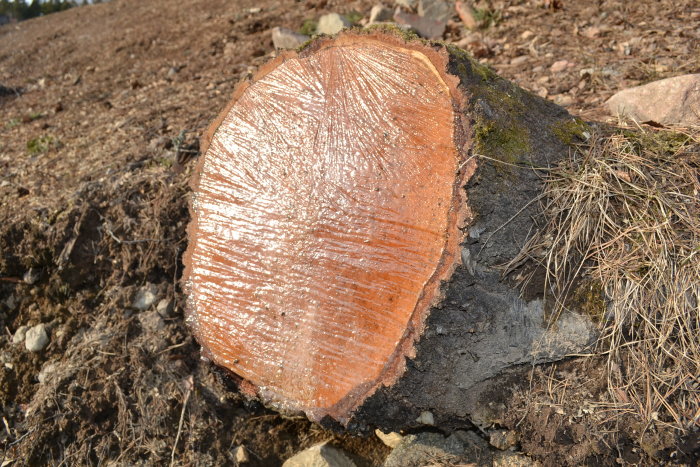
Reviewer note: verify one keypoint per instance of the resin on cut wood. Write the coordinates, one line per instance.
(325, 214)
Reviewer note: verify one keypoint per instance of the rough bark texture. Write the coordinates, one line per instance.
(484, 336)
(466, 342)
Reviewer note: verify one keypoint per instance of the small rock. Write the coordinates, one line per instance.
(473, 444)
(241, 455)
(390, 439)
(11, 302)
(320, 455)
(284, 38)
(165, 308)
(145, 297)
(332, 23)
(559, 66)
(503, 439)
(20, 334)
(425, 27)
(46, 372)
(519, 60)
(425, 448)
(230, 49)
(31, 277)
(511, 459)
(438, 10)
(426, 418)
(670, 101)
(5, 358)
(151, 320)
(422, 449)
(379, 14)
(563, 100)
(590, 32)
(408, 4)
(466, 14)
(36, 338)
(172, 71)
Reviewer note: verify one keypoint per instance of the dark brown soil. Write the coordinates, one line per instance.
(102, 108)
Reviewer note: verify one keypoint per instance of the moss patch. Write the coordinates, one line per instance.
(41, 145)
(571, 131)
(589, 299)
(658, 142)
(308, 27)
(507, 143)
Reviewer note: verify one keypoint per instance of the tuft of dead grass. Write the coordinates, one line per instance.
(622, 220)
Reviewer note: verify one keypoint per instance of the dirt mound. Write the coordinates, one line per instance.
(102, 109)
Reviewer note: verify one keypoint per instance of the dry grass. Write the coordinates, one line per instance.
(622, 241)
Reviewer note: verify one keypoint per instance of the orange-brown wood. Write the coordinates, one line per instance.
(326, 211)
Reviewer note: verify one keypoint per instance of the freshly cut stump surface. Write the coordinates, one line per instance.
(326, 211)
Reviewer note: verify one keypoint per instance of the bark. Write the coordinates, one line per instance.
(352, 211)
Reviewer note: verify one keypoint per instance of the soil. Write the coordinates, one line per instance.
(102, 110)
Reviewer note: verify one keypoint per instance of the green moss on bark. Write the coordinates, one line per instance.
(507, 144)
(571, 131)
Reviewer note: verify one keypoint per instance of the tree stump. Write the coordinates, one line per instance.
(351, 209)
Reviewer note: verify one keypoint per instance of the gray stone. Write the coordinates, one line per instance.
(425, 27)
(512, 459)
(20, 334)
(426, 418)
(36, 338)
(503, 439)
(380, 14)
(284, 38)
(145, 297)
(11, 302)
(428, 448)
(46, 372)
(437, 10)
(671, 101)
(332, 23)
(165, 308)
(320, 455)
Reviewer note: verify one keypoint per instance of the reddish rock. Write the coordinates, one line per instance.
(466, 14)
(671, 101)
(559, 66)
